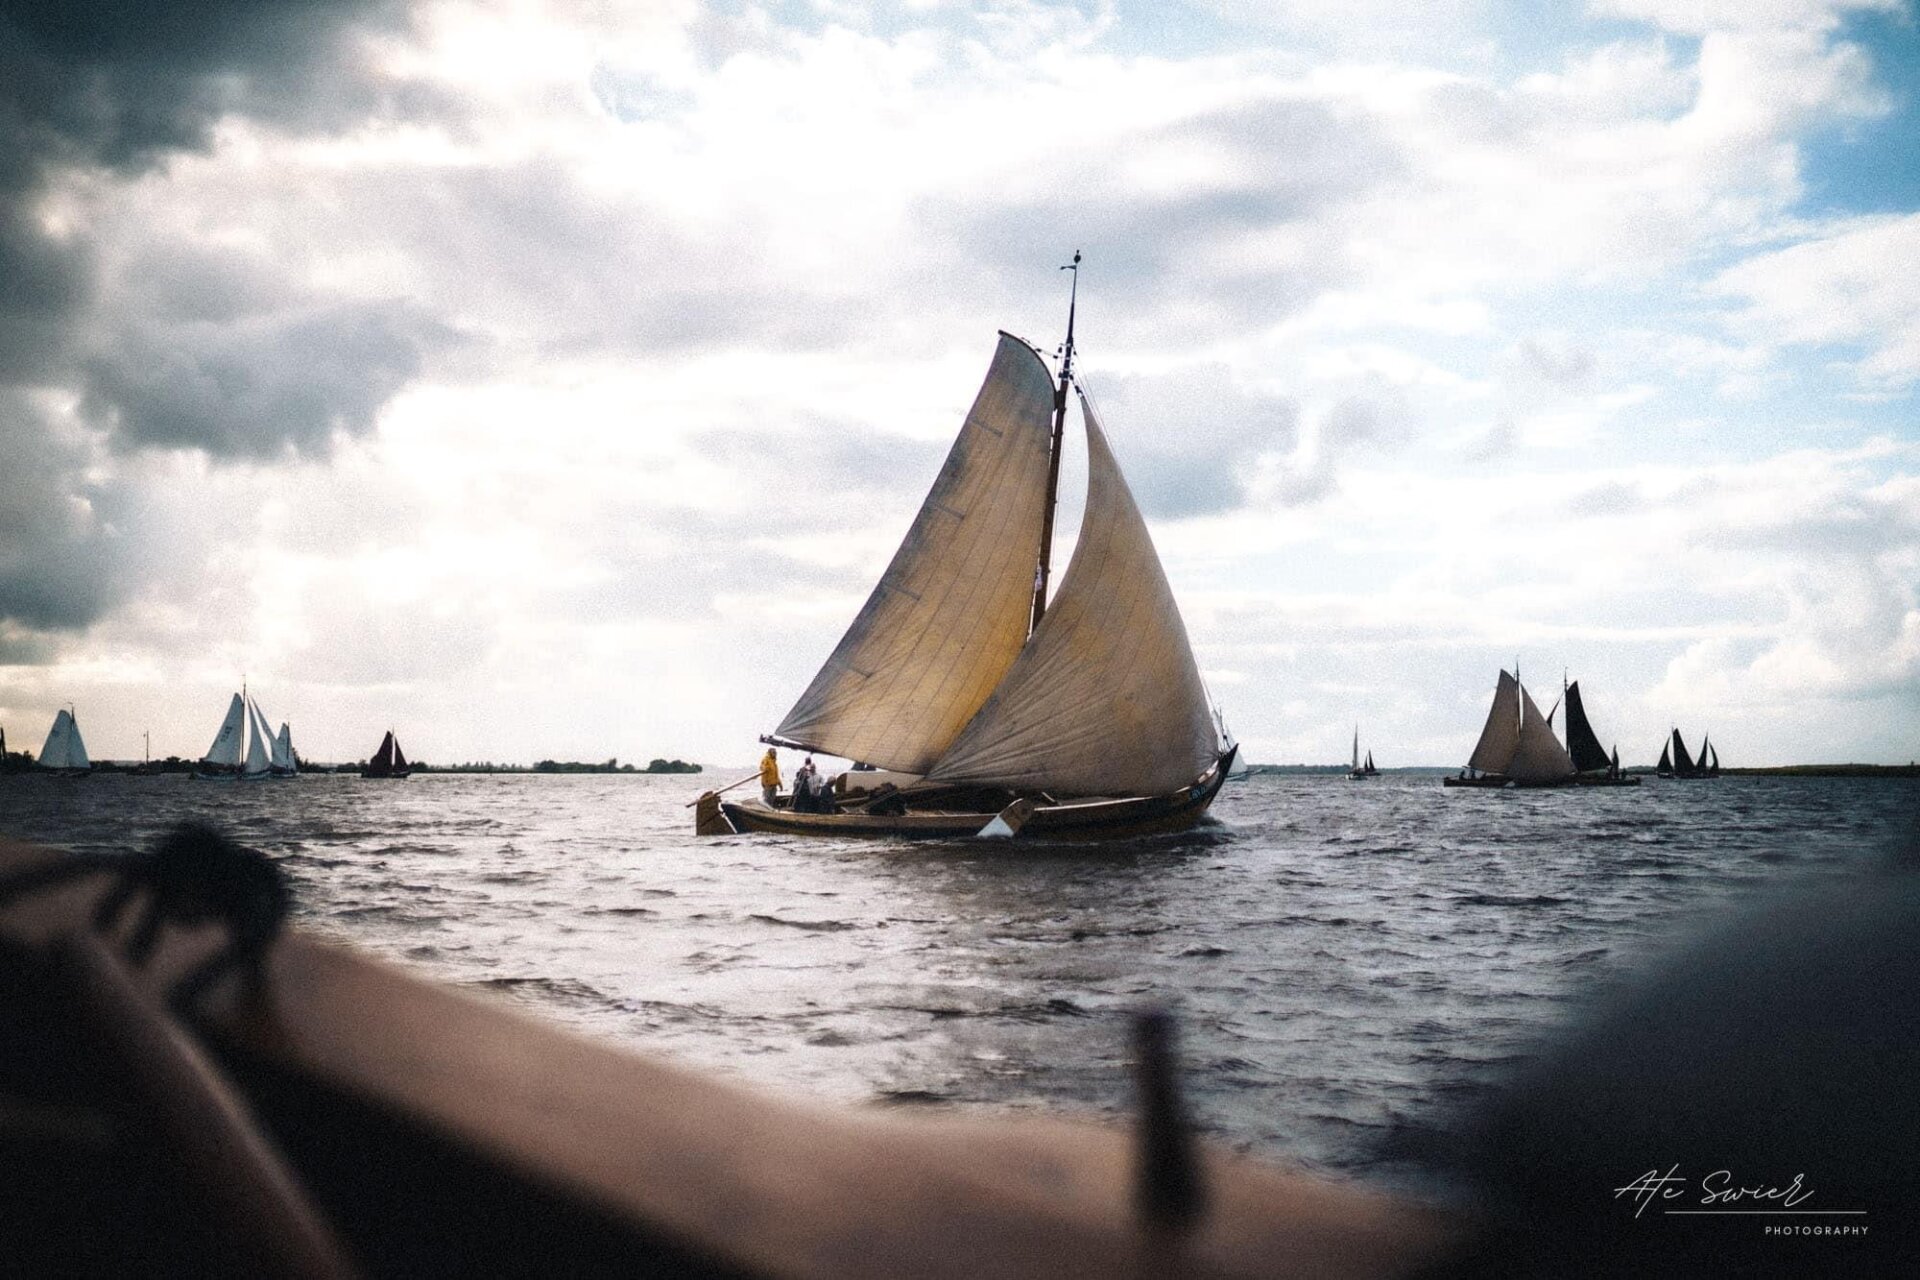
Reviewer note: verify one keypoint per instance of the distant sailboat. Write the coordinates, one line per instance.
(1595, 766)
(995, 709)
(282, 763)
(240, 749)
(65, 753)
(1675, 762)
(388, 762)
(1360, 770)
(1517, 747)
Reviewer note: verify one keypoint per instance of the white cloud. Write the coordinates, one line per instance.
(1842, 287)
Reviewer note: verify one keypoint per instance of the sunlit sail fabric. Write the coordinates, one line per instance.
(283, 748)
(1582, 743)
(228, 742)
(951, 612)
(1106, 699)
(1538, 757)
(1501, 736)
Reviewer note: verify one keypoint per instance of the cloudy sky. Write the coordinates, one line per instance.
(551, 378)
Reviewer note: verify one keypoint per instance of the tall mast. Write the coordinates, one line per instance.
(1053, 457)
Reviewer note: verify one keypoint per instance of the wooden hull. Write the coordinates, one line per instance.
(1088, 820)
(1578, 780)
(385, 773)
(439, 1133)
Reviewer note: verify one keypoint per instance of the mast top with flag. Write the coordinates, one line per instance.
(1044, 568)
(1073, 303)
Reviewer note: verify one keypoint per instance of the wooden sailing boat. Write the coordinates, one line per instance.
(1083, 715)
(389, 761)
(65, 753)
(1517, 747)
(241, 749)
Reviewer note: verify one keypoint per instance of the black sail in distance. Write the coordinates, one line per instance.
(1582, 744)
(1682, 762)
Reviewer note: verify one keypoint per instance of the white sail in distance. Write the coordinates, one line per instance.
(229, 742)
(283, 749)
(1106, 699)
(64, 748)
(951, 612)
(257, 754)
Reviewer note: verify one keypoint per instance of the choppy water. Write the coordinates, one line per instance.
(1347, 959)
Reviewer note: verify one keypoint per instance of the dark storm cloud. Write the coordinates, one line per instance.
(58, 555)
(114, 87)
(121, 83)
(286, 382)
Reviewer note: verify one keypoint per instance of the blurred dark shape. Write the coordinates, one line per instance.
(1784, 1045)
(1170, 1192)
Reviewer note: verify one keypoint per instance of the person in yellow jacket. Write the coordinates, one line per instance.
(769, 777)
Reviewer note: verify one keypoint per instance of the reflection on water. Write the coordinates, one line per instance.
(1345, 958)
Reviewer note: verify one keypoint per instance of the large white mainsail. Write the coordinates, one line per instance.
(1106, 699)
(228, 743)
(950, 614)
(1501, 736)
(1538, 755)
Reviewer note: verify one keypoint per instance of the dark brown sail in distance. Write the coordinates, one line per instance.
(1582, 743)
(389, 761)
(1682, 762)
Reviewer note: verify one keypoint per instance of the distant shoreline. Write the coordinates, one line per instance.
(21, 763)
(1776, 771)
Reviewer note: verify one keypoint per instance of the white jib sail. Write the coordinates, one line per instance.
(1501, 736)
(228, 743)
(950, 613)
(1106, 699)
(283, 748)
(257, 755)
(1538, 757)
